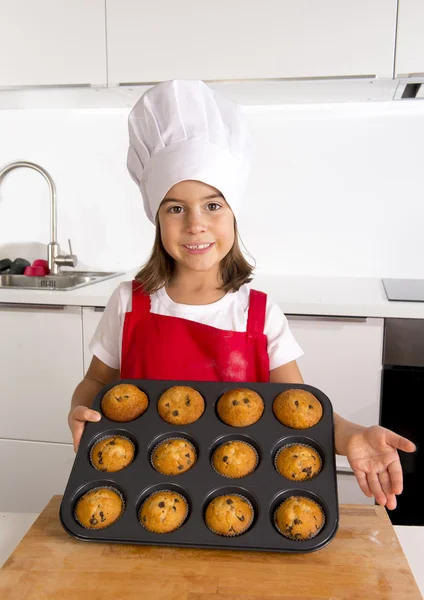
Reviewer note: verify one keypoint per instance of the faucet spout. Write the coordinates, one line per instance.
(53, 249)
(52, 188)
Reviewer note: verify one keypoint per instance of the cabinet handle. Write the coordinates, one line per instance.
(99, 309)
(326, 318)
(17, 305)
(344, 471)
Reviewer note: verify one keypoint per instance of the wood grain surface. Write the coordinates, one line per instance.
(364, 561)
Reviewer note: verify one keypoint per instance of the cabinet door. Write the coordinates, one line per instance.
(343, 357)
(410, 38)
(349, 491)
(31, 473)
(155, 41)
(41, 364)
(90, 319)
(52, 42)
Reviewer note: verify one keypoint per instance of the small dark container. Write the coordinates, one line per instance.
(264, 488)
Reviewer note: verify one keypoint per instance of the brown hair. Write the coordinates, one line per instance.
(235, 270)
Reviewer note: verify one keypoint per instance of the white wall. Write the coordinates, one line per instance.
(335, 189)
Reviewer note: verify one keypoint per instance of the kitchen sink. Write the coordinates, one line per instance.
(69, 280)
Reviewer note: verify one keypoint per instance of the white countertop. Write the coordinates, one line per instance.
(305, 295)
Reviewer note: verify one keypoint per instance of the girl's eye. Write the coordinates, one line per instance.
(176, 210)
(214, 206)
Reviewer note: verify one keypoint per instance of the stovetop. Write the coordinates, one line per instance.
(404, 290)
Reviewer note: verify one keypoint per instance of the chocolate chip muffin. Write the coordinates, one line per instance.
(173, 456)
(240, 407)
(99, 508)
(124, 402)
(235, 459)
(163, 512)
(181, 405)
(298, 462)
(112, 453)
(299, 518)
(297, 408)
(229, 515)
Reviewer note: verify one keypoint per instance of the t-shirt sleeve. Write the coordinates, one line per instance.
(282, 347)
(106, 339)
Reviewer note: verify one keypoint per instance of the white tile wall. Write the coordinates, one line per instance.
(335, 189)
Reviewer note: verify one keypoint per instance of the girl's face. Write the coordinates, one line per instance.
(197, 225)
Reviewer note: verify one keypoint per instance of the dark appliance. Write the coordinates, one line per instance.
(402, 409)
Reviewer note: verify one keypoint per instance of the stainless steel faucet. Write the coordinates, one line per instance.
(55, 259)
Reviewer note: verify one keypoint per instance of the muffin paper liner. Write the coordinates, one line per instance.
(159, 492)
(297, 444)
(229, 476)
(105, 437)
(289, 537)
(233, 534)
(100, 487)
(169, 440)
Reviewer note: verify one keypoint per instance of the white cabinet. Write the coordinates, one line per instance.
(31, 473)
(41, 364)
(155, 41)
(349, 491)
(410, 38)
(90, 319)
(343, 358)
(52, 42)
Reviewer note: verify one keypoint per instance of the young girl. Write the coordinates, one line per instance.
(190, 314)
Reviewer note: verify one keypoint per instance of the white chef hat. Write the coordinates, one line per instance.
(183, 129)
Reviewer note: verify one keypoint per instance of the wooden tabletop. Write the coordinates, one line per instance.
(363, 562)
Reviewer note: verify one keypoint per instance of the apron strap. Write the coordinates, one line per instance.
(256, 314)
(140, 300)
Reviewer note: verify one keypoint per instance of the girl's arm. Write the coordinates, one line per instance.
(97, 376)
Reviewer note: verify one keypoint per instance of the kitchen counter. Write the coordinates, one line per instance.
(306, 295)
(364, 560)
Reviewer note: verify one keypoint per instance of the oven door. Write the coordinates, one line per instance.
(402, 410)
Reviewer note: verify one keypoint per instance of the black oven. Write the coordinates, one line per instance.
(402, 409)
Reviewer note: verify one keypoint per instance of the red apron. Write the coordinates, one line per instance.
(165, 347)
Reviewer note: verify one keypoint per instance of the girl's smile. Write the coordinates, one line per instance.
(199, 248)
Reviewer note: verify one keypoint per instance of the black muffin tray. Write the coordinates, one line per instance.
(265, 488)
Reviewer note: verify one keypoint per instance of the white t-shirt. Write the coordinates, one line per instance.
(228, 313)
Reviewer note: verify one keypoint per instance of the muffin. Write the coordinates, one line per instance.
(297, 408)
(229, 515)
(240, 407)
(112, 453)
(298, 462)
(299, 518)
(99, 508)
(163, 512)
(235, 459)
(181, 405)
(173, 456)
(124, 402)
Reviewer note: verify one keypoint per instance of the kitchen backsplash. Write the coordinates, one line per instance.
(335, 189)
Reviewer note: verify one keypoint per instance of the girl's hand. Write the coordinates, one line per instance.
(373, 456)
(77, 419)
